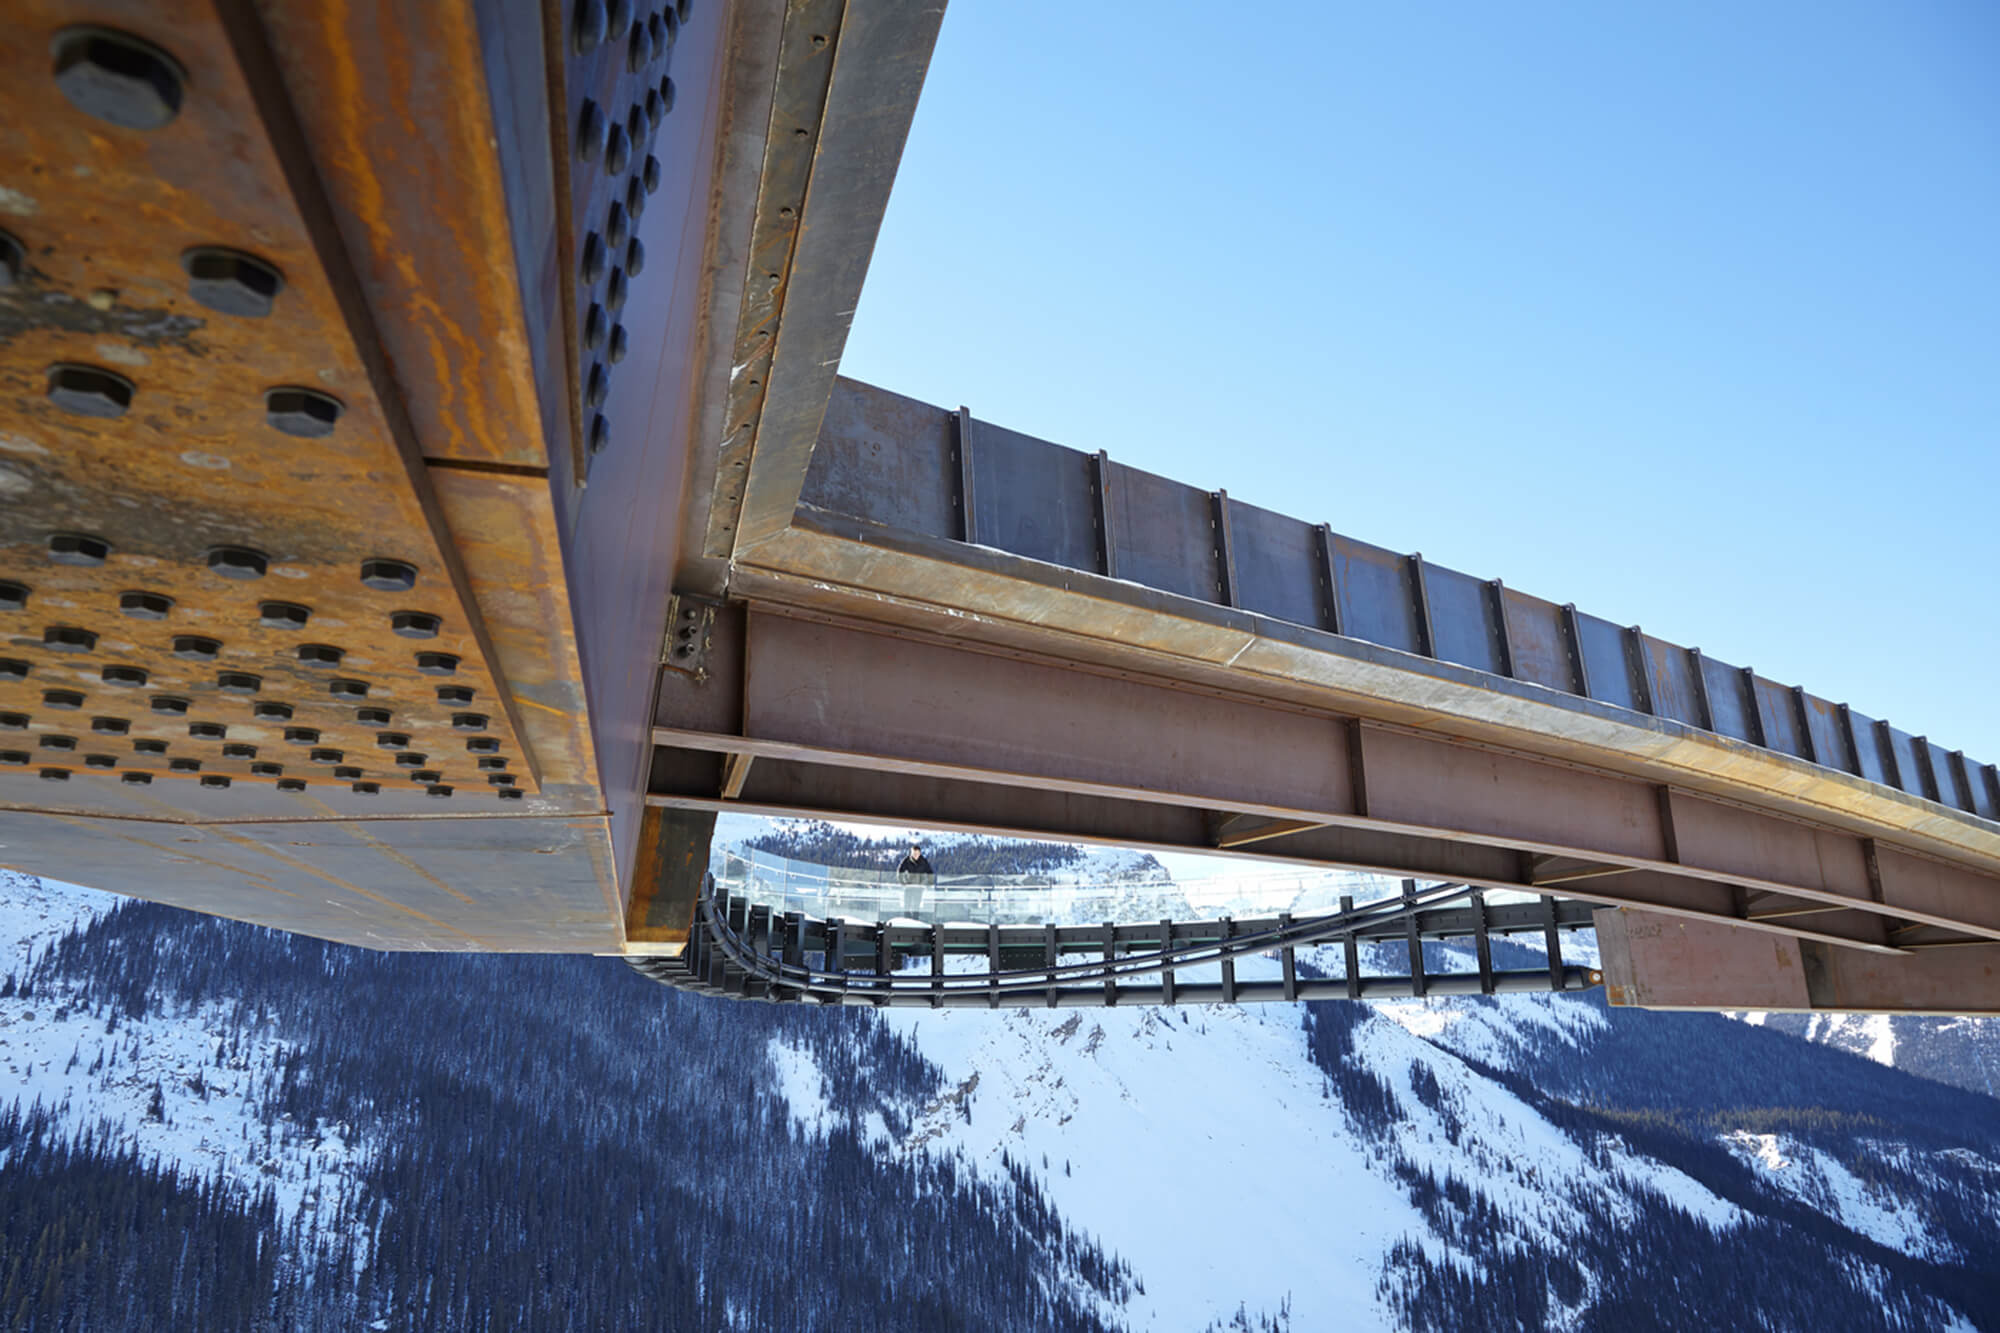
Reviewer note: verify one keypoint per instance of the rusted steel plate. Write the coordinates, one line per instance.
(1665, 963)
(880, 55)
(840, 689)
(393, 101)
(879, 447)
(249, 556)
(505, 527)
(493, 883)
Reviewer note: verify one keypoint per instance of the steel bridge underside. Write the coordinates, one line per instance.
(578, 423)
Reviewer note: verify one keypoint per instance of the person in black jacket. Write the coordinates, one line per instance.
(916, 873)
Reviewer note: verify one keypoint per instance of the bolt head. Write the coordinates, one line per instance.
(145, 605)
(437, 791)
(136, 779)
(238, 682)
(238, 562)
(320, 654)
(291, 784)
(89, 391)
(232, 282)
(273, 712)
(69, 639)
(123, 675)
(306, 414)
(13, 668)
(77, 548)
(388, 575)
(372, 717)
(13, 596)
(13, 261)
(348, 689)
(437, 664)
(195, 648)
(468, 721)
(587, 26)
(117, 77)
(169, 703)
(282, 615)
(367, 788)
(415, 624)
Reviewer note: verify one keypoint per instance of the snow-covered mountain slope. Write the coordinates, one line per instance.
(454, 1128)
(1234, 1166)
(185, 1085)
(1964, 1052)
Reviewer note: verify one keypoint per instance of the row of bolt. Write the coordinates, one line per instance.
(612, 254)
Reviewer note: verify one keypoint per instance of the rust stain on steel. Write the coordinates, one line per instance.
(393, 101)
(505, 526)
(193, 465)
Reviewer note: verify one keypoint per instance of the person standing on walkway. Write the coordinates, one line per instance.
(916, 873)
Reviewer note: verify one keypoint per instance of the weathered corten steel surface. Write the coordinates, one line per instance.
(472, 883)
(1397, 638)
(392, 100)
(1672, 963)
(830, 717)
(253, 599)
(309, 657)
(966, 627)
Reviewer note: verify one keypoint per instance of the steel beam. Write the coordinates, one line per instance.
(1674, 963)
(864, 721)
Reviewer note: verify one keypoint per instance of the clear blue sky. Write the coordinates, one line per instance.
(1687, 313)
